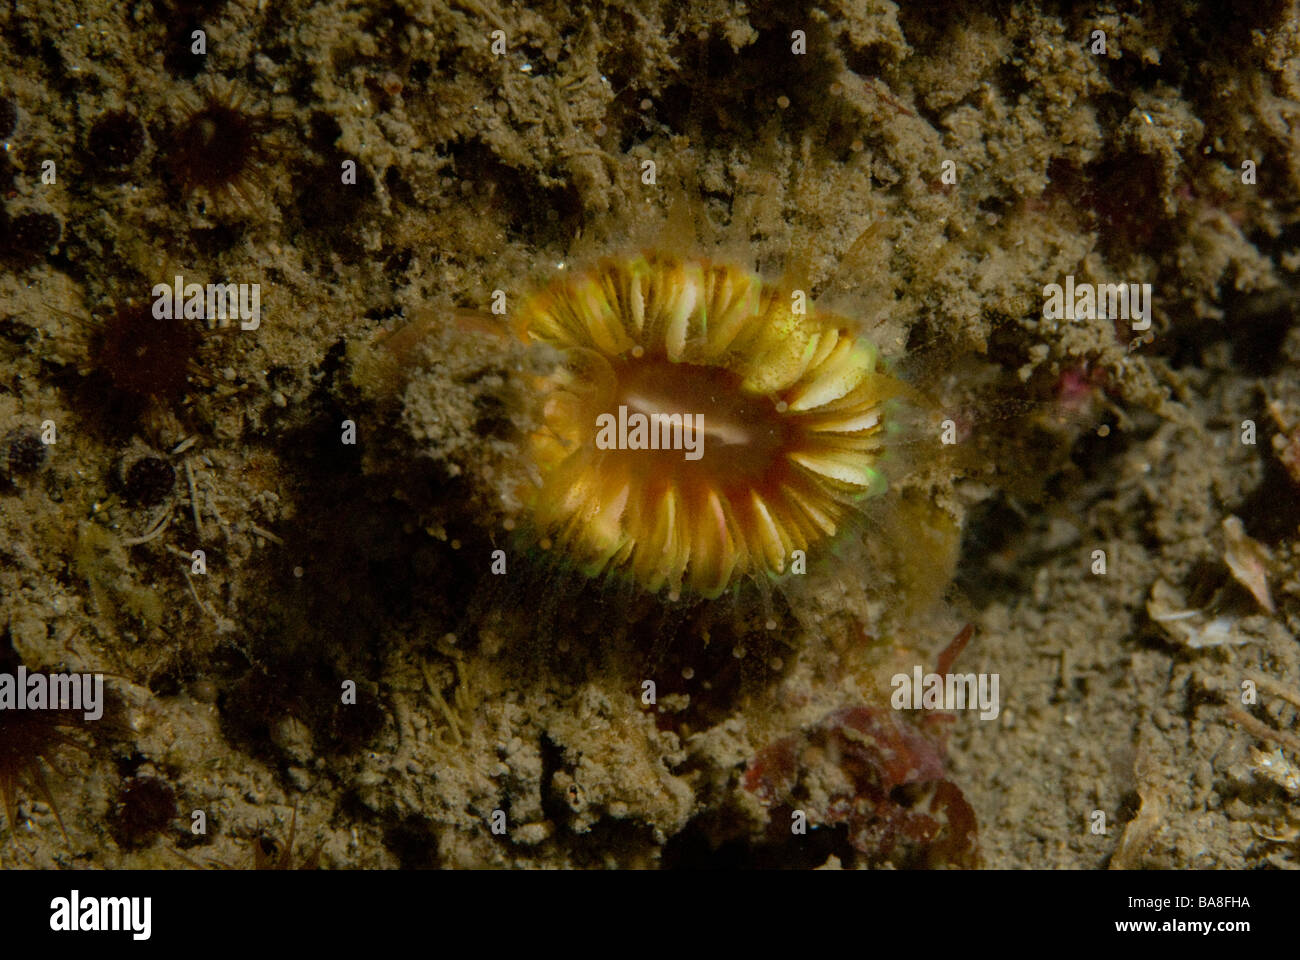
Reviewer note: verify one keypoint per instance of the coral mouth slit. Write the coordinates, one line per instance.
(792, 409)
(744, 435)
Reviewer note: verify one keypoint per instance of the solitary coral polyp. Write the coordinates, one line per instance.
(216, 152)
(792, 408)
